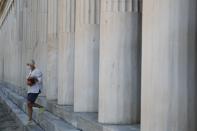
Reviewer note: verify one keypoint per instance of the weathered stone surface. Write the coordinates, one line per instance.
(52, 48)
(169, 65)
(66, 50)
(90, 54)
(46, 120)
(119, 77)
(20, 117)
(40, 53)
(84, 121)
(7, 122)
(87, 56)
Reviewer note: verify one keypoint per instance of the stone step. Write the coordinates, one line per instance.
(20, 117)
(46, 120)
(83, 121)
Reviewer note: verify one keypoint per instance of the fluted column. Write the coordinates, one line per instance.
(12, 54)
(119, 85)
(41, 49)
(87, 56)
(1, 54)
(20, 37)
(28, 44)
(51, 91)
(24, 43)
(18, 11)
(29, 51)
(66, 38)
(169, 65)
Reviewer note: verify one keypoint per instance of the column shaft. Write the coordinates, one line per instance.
(66, 37)
(87, 56)
(40, 52)
(119, 91)
(51, 91)
(169, 65)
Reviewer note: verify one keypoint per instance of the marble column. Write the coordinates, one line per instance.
(169, 65)
(1, 54)
(2, 45)
(51, 92)
(66, 44)
(29, 43)
(29, 51)
(87, 56)
(19, 32)
(12, 54)
(16, 52)
(40, 52)
(119, 77)
(24, 44)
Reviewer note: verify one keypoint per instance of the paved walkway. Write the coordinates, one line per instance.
(7, 123)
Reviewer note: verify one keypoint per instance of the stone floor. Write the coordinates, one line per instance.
(7, 123)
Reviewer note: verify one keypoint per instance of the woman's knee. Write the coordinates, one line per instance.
(29, 104)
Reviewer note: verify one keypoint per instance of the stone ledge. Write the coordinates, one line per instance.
(84, 121)
(46, 120)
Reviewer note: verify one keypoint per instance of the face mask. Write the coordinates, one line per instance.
(28, 67)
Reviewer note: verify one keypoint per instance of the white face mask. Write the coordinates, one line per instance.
(28, 67)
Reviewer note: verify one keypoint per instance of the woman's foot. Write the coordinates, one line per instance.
(41, 109)
(30, 122)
